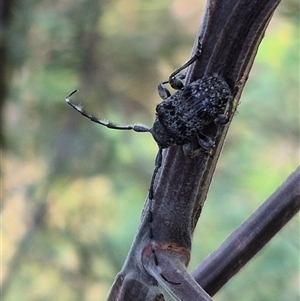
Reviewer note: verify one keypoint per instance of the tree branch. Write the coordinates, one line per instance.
(251, 236)
(230, 35)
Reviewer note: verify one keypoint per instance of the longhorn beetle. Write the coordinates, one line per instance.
(181, 117)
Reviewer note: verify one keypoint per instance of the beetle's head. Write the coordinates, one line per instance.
(161, 136)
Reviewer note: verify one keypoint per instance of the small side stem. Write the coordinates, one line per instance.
(251, 236)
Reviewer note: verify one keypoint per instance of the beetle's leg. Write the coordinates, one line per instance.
(205, 143)
(163, 91)
(224, 118)
(176, 81)
(238, 85)
(190, 151)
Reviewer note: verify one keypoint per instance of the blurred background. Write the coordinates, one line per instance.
(73, 191)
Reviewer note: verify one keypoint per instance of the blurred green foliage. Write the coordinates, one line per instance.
(74, 191)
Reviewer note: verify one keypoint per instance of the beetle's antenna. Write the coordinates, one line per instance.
(189, 62)
(110, 125)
